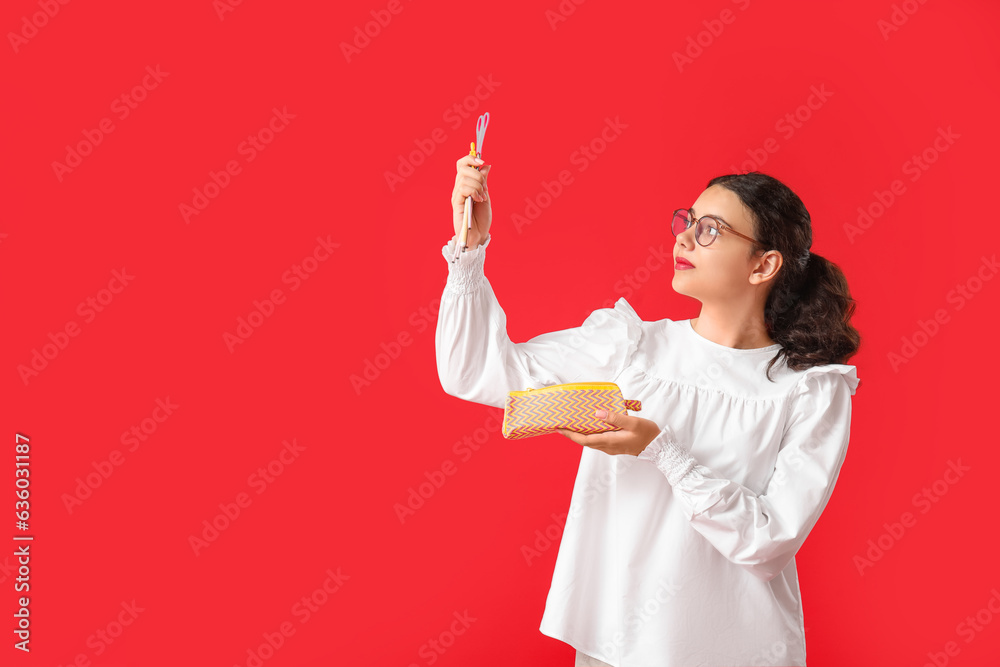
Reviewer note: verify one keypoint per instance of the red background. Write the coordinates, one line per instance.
(325, 175)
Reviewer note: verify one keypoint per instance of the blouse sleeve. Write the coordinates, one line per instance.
(476, 360)
(762, 532)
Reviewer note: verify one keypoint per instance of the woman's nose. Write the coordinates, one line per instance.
(686, 238)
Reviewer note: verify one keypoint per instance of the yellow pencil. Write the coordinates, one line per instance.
(467, 214)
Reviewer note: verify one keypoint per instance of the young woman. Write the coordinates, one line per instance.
(679, 545)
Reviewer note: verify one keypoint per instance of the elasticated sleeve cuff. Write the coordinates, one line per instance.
(465, 275)
(669, 456)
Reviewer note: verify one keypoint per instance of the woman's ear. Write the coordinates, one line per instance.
(767, 267)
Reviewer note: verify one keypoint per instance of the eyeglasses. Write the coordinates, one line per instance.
(708, 229)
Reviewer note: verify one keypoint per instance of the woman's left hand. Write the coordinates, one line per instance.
(633, 437)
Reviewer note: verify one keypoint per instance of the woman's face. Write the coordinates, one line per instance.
(721, 270)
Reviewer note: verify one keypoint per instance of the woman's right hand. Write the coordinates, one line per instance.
(471, 181)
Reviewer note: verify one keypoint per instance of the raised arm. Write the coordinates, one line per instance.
(477, 361)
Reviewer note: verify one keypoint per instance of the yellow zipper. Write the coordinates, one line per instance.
(570, 385)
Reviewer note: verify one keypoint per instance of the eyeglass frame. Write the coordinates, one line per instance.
(694, 223)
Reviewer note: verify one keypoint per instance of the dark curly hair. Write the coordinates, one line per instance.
(808, 310)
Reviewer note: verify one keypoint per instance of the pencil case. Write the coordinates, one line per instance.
(570, 406)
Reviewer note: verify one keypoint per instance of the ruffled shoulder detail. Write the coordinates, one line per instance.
(621, 326)
(848, 371)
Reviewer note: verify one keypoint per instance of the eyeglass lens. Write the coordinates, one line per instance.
(706, 231)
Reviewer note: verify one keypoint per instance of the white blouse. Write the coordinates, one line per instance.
(684, 555)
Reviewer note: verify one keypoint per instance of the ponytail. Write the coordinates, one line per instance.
(812, 323)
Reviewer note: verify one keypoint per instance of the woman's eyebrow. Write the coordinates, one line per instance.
(721, 219)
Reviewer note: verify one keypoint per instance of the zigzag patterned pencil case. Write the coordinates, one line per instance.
(570, 406)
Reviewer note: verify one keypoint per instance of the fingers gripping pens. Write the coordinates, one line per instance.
(481, 124)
